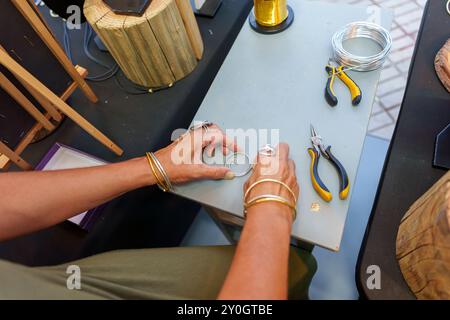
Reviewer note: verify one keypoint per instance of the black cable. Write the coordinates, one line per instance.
(111, 72)
(87, 37)
(139, 90)
(66, 42)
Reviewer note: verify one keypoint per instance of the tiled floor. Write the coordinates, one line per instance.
(408, 14)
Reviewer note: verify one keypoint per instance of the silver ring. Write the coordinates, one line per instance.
(267, 150)
(202, 124)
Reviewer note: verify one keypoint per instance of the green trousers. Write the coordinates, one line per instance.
(166, 273)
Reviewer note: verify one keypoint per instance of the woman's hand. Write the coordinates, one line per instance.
(182, 160)
(279, 167)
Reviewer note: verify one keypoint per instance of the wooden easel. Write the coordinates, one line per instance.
(54, 106)
(29, 10)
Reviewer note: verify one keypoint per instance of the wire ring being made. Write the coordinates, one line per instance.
(366, 30)
(267, 150)
(448, 7)
(233, 156)
(223, 160)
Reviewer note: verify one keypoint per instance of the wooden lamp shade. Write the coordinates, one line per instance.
(442, 65)
(156, 49)
(423, 243)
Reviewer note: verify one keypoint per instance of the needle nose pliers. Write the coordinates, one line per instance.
(339, 71)
(315, 152)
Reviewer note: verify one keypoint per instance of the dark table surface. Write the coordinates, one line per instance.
(408, 170)
(138, 123)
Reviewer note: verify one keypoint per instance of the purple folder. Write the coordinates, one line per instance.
(64, 157)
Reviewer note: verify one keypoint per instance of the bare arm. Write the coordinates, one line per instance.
(31, 201)
(260, 266)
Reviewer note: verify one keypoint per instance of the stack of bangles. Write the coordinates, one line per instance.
(270, 197)
(162, 179)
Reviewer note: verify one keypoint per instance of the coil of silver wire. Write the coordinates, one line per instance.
(366, 30)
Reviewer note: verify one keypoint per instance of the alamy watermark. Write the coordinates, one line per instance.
(73, 281)
(373, 281)
(248, 142)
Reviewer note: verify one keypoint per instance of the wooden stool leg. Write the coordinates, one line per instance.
(17, 95)
(14, 157)
(34, 83)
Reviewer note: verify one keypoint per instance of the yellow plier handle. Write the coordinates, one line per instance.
(317, 183)
(330, 96)
(339, 72)
(344, 183)
(355, 91)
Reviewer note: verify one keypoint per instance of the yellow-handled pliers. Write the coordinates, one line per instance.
(315, 153)
(339, 71)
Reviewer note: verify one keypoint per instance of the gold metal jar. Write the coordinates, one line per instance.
(270, 13)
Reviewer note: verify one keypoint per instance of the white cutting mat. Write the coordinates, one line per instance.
(277, 82)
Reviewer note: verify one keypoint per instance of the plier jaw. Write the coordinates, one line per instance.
(316, 141)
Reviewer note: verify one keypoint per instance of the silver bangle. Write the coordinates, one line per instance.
(162, 171)
(366, 30)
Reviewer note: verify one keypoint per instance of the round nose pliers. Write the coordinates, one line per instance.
(339, 71)
(315, 152)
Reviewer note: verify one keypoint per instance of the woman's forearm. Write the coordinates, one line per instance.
(260, 267)
(31, 201)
